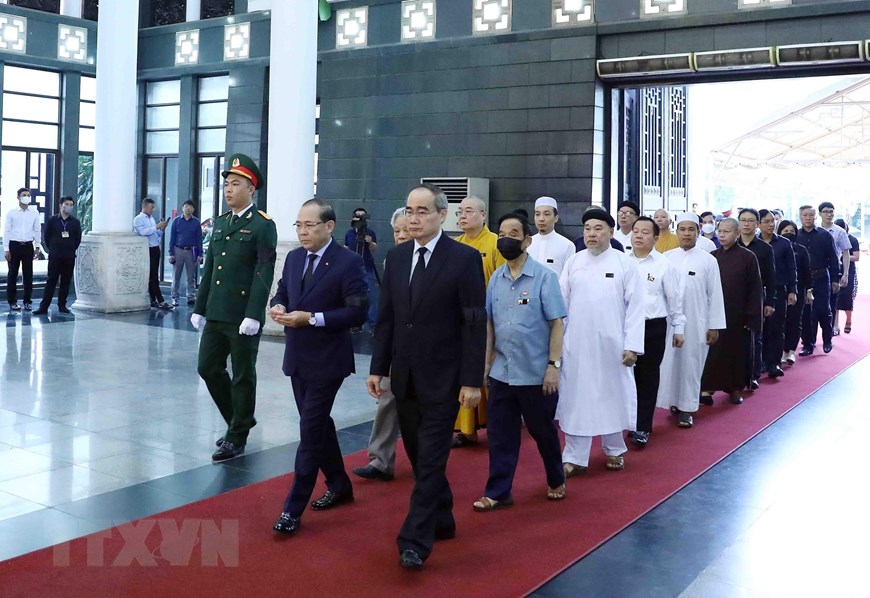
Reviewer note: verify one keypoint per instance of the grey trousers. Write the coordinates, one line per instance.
(184, 260)
(385, 431)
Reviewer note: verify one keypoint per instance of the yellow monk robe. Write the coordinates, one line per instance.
(667, 241)
(468, 419)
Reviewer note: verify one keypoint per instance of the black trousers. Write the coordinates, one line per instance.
(793, 317)
(773, 333)
(154, 275)
(318, 443)
(20, 255)
(427, 430)
(59, 268)
(506, 409)
(647, 373)
(818, 313)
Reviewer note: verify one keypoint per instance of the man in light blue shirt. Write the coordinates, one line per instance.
(145, 226)
(524, 346)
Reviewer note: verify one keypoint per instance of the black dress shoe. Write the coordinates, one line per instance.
(640, 439)
(228, 450)
(828, 347)
(685, 420)
(754, 385)
(775, 372)
(735, 398)
(64, 309)
(807, 350)
(287, 524)
(445, 533)
(330, 500)
(220, 440)
(409, 559)
(370, 472)
(40, 312)
(705, 400)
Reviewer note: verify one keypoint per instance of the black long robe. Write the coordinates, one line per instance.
(728, 365)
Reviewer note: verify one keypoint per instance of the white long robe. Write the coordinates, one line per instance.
(704, 308)
(605, 300)
(706, 244)
(552, 250)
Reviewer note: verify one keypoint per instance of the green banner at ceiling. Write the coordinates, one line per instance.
(325, 10)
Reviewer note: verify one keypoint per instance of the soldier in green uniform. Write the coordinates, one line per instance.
(231, 303)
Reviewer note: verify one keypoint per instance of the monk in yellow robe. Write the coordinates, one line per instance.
(667, 239)
(472, 220)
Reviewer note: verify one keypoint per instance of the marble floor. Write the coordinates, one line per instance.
(103, 419)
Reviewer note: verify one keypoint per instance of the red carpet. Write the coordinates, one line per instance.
(351, 551)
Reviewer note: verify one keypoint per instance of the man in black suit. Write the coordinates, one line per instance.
(431, 330)
(322, 294)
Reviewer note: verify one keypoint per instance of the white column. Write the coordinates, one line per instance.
(71, 8)
(112, 263)
(292, 98)
(193, 10)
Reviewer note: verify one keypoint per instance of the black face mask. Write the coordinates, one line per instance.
(790, 236)
(509, 248)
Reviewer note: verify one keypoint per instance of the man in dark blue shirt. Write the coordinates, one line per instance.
(786, 293)
(185, 251)
(63, 234)
(825, 270)
(362, 240)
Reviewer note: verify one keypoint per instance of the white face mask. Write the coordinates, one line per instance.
(708, 228)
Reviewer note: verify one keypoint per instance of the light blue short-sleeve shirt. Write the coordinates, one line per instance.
(521, 311)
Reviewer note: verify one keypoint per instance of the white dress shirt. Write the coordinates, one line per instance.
(552, 250)
(624, 238)
(661, 289)
(24, 226)
(430, 246)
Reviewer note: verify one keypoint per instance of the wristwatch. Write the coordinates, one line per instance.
(312, 321)
(556, 364)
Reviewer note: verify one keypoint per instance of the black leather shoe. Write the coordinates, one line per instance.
(64, 310)
(220, 440)
(685, 420)
(330, 500)
(775, 372)
(228, 450)
(409, 559)
(287, 524)
(370, 472)
(735, 398)
(705, 400)
(40, 312)
(828, 347)
(807, 350)
(754, 385)
(445, 533)
(640, 439)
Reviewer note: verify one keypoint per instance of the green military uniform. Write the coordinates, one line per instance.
(236, 282)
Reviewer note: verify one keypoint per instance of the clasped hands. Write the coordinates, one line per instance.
(294, 319)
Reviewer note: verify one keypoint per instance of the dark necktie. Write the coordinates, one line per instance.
(309, 272)
(417, 275)
(234, 219)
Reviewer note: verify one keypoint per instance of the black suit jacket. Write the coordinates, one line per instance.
(338, 289)
(440, 340)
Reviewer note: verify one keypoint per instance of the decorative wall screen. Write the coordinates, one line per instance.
(663, 149)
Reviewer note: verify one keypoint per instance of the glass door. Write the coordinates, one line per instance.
(210, 194)
(161, 182)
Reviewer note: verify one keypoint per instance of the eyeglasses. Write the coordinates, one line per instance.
(625, 213)
(827, 211)
(467, 212)
(421, 212)
(307, 225)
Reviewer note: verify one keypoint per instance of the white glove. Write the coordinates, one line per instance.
(249, 327)
(197, 321)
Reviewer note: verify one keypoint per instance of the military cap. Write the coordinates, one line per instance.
(242, 165)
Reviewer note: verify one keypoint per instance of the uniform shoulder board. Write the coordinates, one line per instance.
(264, 215)
(227, 213)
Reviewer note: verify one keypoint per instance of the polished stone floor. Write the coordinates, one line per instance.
(103, 419)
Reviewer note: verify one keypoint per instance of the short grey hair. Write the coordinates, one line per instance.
(399, 213)
(481, 205)
(435, 190)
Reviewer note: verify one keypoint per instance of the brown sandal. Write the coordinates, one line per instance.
(557, 493)
(484, 503)
(572, 470)
(616, 463)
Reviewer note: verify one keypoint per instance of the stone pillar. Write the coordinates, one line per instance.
(112, 264)
(192, 10)
(292, 98)
(71, 8)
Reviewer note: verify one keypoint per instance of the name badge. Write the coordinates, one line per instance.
(64, 234)
(608, 275)
(551, 260)
(523, 301)
(482, 254)
(691, 273)
(650, 278)
(247, 232)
